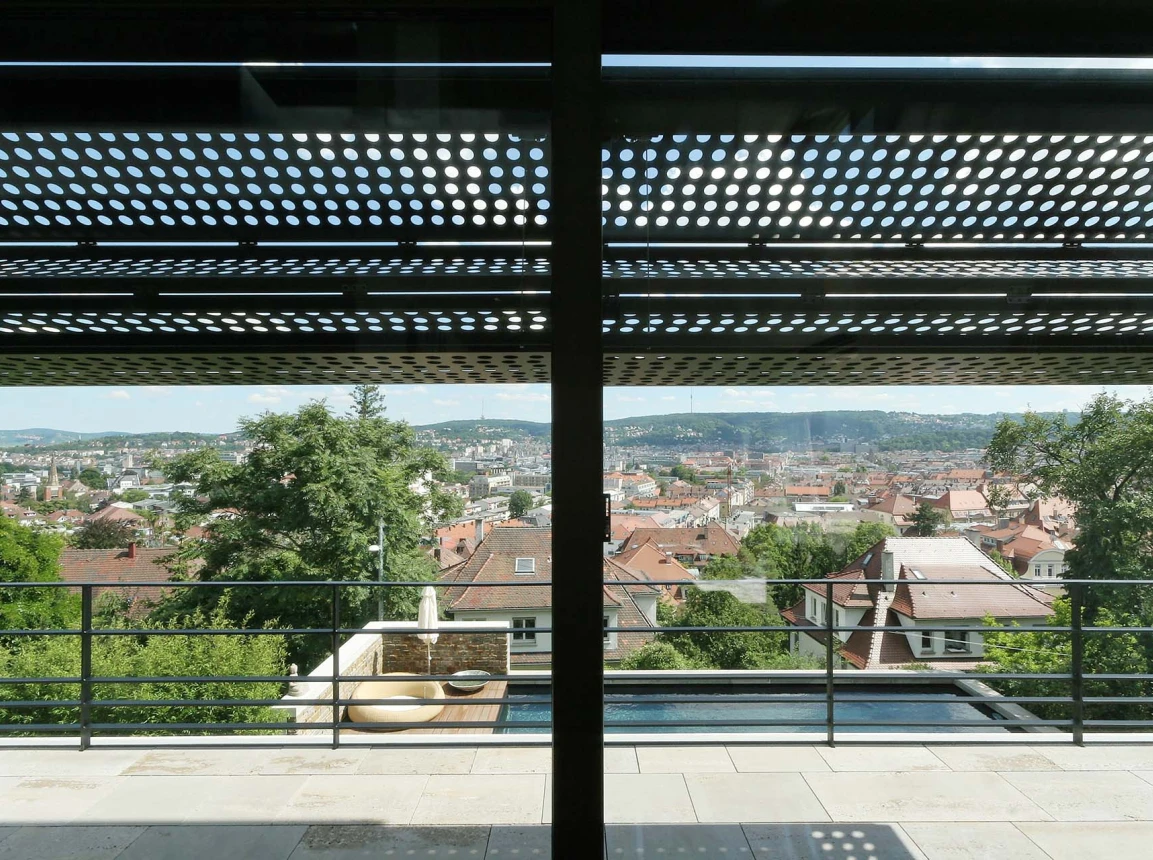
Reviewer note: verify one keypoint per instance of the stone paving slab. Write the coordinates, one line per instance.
(653, 798)
(216, 842)
(688, 759)
(766, 759)
(925, 796)
(1086, 796)
(365, 842)
(973, 840)
(737, 797)
(339, 799)
(73, 843)
(903, 759)
(418, 761)
(481, 799)
(713, 841)
(808, 841)
(991, 758)
(53, 800)
(1121, 840)
(45, 763)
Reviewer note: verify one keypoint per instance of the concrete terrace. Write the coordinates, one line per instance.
(913, 802)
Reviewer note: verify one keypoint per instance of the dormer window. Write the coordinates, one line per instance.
(525, 565)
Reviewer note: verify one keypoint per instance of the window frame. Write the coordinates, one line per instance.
(524, 633)
(516, 566)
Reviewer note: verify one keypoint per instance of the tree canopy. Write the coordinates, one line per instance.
(1102, 465)
(519, 503)
(28, 555)
(103, 534)
(927, 519)
(304, 505)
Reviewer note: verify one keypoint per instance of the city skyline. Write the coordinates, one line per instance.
(216, 409)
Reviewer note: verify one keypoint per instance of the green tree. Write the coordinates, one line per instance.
(93, 479)
(132, 494)
(839, 488)
(27, 555)
(103, 534)
(657, 656)
(728, 567)
(684, 473)
(519, 503)
(1002, 562)
(1050, 652)
(799, 552)
(304, 505)
(25, 496)
(1101, 464)
(153, 657)
(864, 537)
(754, 649)
(927, 519)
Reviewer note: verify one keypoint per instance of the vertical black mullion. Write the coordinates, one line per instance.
(85, 666)
(830, 685)
(577, 412)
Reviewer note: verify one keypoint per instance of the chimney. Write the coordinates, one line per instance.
(436, 553)
(479, 530)
(132, 550)
(887, 572)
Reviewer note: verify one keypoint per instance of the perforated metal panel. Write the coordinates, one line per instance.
(166, 186)
(787, 330)
(272, 368)
(985, 187)
(299, 264)
(892, 368)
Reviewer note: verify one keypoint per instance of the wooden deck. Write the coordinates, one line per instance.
(457, 712)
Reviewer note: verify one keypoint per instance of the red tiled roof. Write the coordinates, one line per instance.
(115, 566)
(115, 514)
(711, 539)
(962, 501)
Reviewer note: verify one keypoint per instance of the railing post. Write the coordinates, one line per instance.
(336, 667)
(1076, 605)
(85, 667)
(830, 720)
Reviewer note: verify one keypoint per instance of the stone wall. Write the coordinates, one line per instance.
(452, 652)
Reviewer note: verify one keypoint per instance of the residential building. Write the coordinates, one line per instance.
(963, 505)
(891, 585)
(485, 485)
(690, 546)
(524, 556)
(121, 569)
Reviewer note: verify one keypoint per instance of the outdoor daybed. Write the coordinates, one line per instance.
(401, 710)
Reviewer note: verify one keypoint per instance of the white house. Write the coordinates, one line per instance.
(522, 557)
(892, 585)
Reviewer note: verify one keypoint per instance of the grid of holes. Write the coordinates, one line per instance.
(937, 269)
(408, 322)
(296, 369)
(926, 325)
(202, 184)
(172, 267)
(682, 268)
(1118, 368)
(980, 187)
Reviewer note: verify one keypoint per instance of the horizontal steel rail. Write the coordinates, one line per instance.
(88, 714)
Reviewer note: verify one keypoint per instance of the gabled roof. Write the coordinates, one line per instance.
(916, 596)
(962, 501)
(117, 566)
(898, 505)
(851, 588)
(711, 539)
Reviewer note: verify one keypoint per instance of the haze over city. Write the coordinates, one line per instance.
(216, 409)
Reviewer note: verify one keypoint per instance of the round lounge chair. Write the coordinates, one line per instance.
(402, 710)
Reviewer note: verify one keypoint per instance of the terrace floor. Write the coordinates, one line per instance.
(283, 803)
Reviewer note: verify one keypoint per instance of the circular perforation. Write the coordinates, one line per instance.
(800, 326)
(856, 368)
(271, 184)
(511, 323)
(285, 267)
(973, 187)
(268, 369)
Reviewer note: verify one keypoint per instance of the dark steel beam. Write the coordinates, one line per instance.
(883, 27)
(578, 652)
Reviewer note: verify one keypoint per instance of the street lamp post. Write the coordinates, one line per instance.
(379, 549)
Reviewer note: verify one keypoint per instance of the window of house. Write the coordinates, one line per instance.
(525, 565)
(605, 620)
(1050, 572)
(524, 630)
(836, 618)
(1036, 570)
(957, 642)
(927, 640)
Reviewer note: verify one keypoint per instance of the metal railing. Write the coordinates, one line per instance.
(831, 686)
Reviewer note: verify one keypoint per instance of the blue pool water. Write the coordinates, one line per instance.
(913, 716)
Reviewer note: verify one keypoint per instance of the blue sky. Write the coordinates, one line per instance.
(215, 409)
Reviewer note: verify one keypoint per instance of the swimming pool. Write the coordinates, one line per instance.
(951, 714)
